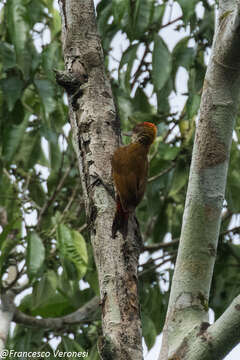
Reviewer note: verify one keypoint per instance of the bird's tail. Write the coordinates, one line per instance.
(120, 221)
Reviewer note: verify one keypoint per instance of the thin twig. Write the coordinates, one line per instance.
(138, 71)
(157, 265)
(171, 22)
(69, 204)
(169, 132)
(155, 247)
(56, 191)
(165, 171)
(233, 230)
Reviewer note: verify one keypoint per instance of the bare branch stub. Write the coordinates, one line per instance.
(74, 81)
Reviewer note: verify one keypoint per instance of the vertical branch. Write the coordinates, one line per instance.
(96, 135)
(188, 304)
(6, 315)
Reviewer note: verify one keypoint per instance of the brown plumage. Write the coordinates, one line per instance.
(130, 170)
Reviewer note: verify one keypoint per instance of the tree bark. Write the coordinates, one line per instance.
(188, 304)
(6, 315)
(96, 134)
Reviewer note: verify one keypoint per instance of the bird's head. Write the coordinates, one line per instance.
(144, 133)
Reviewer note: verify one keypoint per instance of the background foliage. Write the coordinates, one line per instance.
(44, 238)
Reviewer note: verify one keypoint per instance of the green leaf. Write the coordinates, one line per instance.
(161, 63)
(226, 280)
(46, 301)
(49, 4)
(55, 155)
(188, 8)
(35, 12)
(125, 108)
(206, 26)
(12, 88)
(192, 105)
(80, 245)
(128, 58)
(103, 16)
(162, 97)
(119, 7)
(35, 255)
(50, 59)
(19, 32)
(148, 330)
(30, 150)
(129, 55)
(233, 190)
(179, 179)
(7, 55)
(161, 225)
(182, 55)
(168, 152)
(196, 76)
(36, 191)
(158, 12)
(24, 340)
(55, 24)
(45, 289)
(142, 15)
(14, 139)
(71, 346)
(175, 214)
(92, 278)
(72, 246)
(94, 355)
(141, 103)
(46, 92)
(153, 303)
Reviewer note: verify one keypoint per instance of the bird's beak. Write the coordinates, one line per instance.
(129, 133)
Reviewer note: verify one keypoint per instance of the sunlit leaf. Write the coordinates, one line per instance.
(55, 23)
(72, 246)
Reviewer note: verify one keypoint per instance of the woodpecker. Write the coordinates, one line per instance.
(130, 171)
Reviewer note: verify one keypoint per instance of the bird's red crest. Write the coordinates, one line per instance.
(153, 126)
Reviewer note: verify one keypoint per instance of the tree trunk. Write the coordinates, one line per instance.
(6, 315)
(96, 134)
(188, 304)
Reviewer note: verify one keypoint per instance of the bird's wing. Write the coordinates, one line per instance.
(130, 175)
